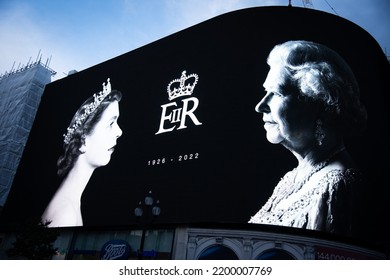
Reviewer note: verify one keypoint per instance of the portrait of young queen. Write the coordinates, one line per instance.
(88, 143)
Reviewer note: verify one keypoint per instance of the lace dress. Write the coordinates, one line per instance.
(328, 206)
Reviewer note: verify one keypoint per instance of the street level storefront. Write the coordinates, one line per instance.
(120, 244)
(203, 242)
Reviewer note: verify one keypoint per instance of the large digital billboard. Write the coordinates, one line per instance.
(209, 125)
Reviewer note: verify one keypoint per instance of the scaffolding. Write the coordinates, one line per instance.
(29, 65)
(21, 90)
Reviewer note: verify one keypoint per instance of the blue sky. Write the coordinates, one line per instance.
(77, 34)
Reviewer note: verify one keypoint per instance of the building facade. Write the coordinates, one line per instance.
(191, 136)
(20, 92)
(202, 242)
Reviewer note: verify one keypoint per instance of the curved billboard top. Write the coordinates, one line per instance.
(207, 124)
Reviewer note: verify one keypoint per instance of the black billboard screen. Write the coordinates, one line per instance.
(209, 122)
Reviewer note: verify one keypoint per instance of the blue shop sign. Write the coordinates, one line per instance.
(115, 250)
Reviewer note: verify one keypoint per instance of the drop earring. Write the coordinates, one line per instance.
(82, 149)
(319, 132)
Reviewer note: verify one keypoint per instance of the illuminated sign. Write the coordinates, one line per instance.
(193, 128)
(328, 253)
(115, 250)
(178, 114)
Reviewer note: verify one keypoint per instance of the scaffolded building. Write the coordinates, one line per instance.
(20, 95)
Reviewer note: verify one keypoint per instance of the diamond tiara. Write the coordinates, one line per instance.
(87, 110)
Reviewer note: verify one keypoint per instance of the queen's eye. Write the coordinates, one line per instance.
(276, 93)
